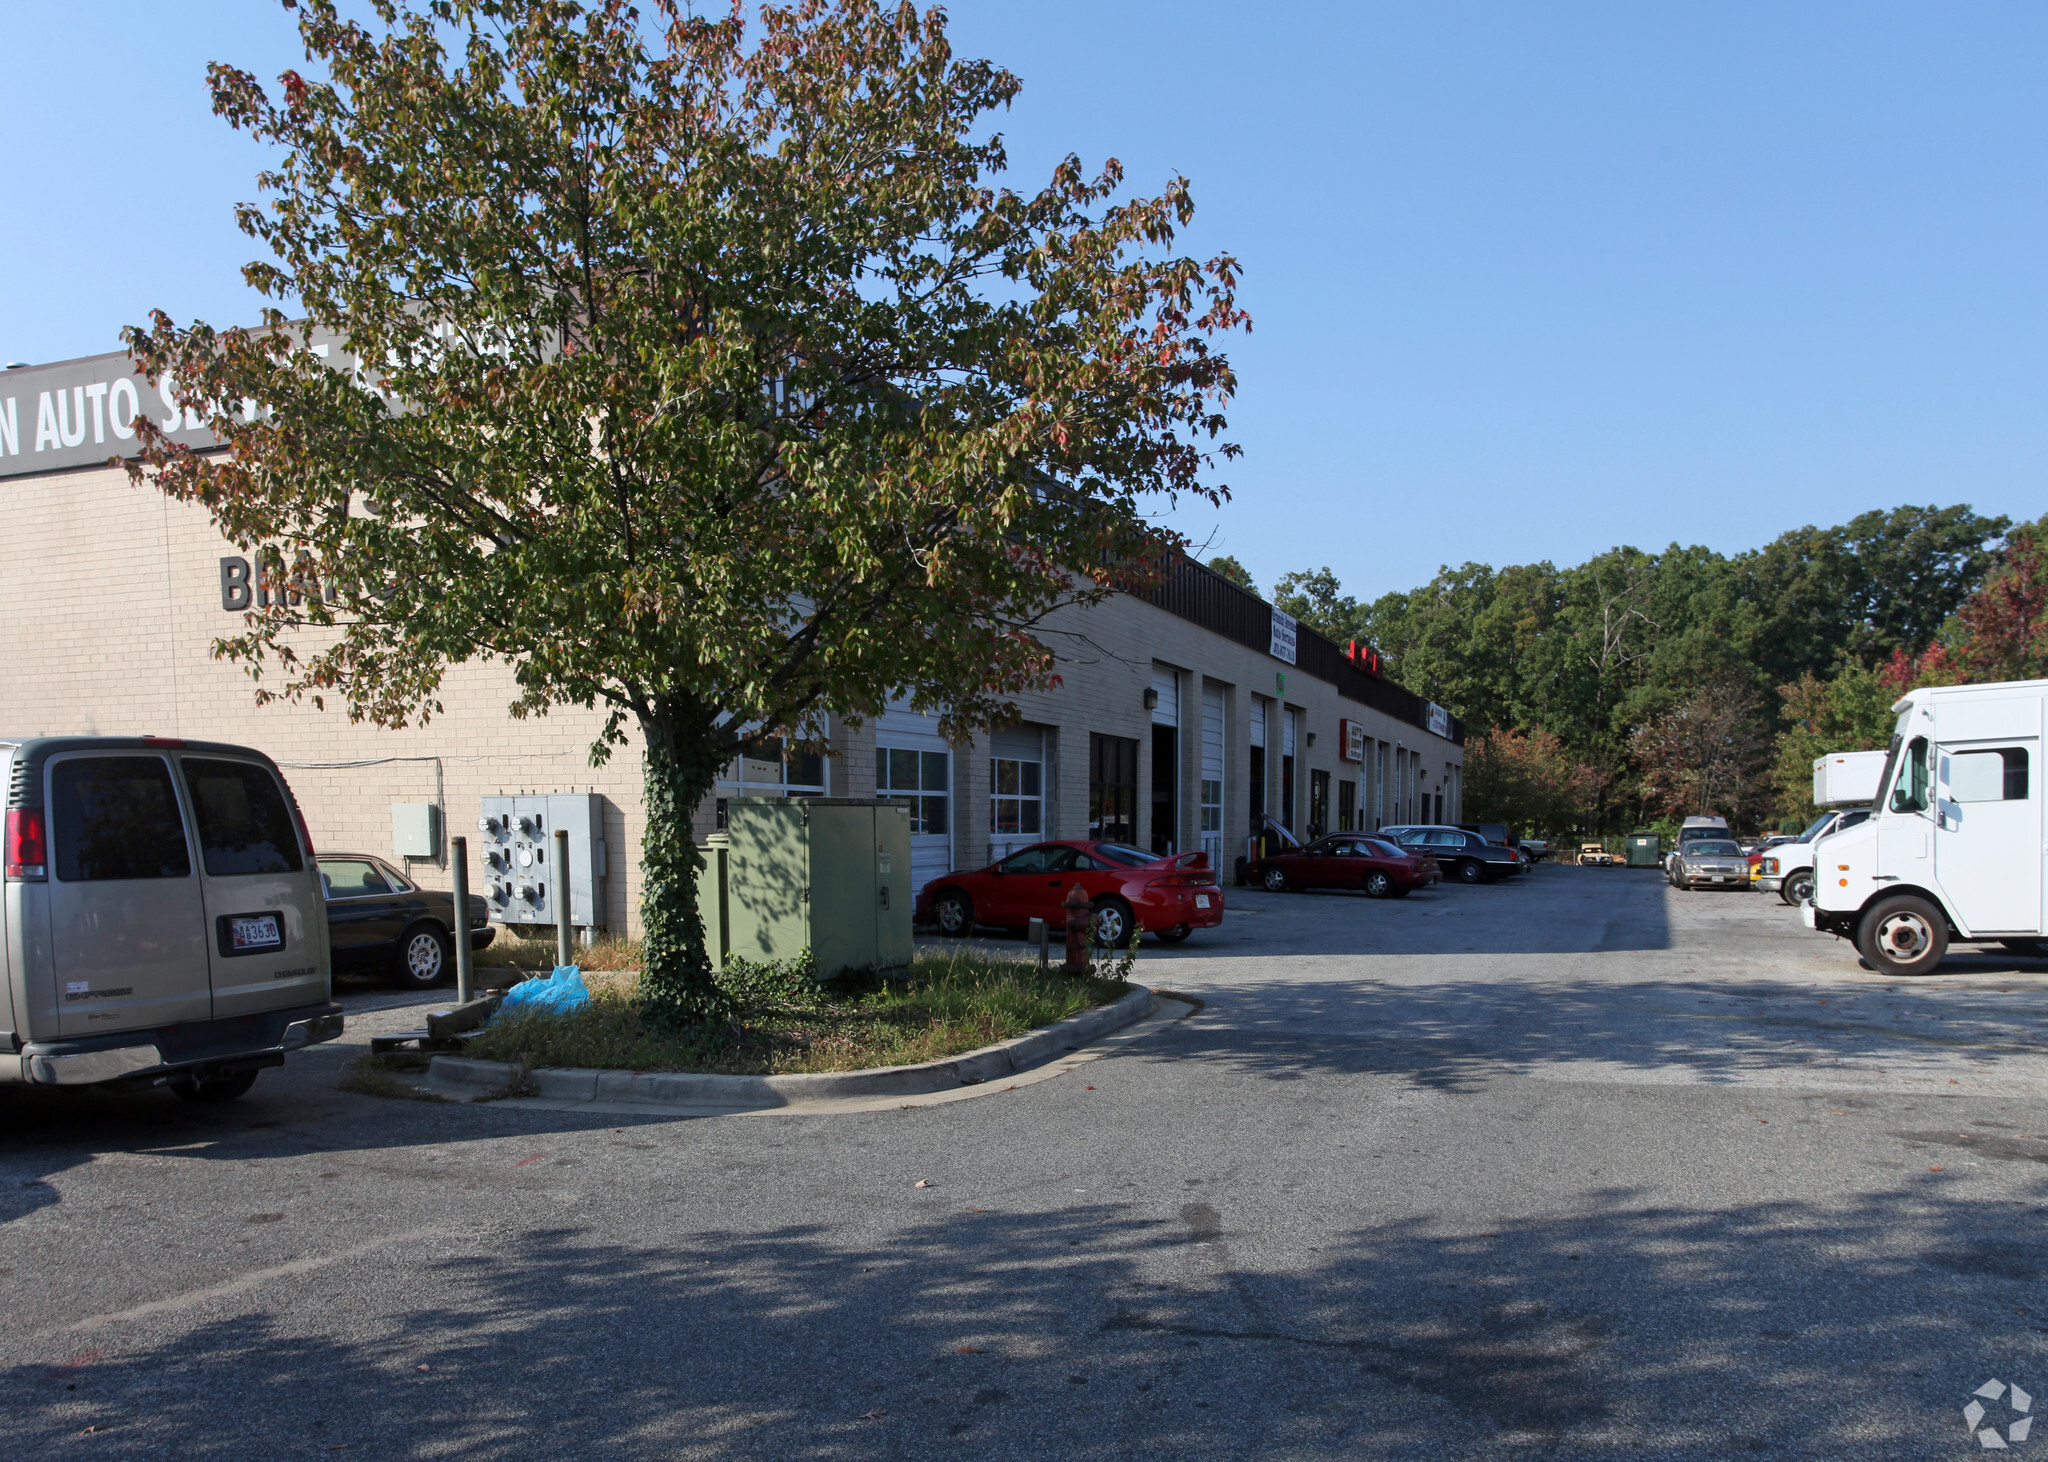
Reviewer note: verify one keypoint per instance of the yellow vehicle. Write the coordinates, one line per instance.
(1595, 855)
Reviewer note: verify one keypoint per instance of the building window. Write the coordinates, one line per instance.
(772, 772)
(1212, 804)
(919, 778)
(1112, 789)
(1017, 796)
(1347, 806)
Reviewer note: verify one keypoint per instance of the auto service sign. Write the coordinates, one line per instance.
(1351, 740)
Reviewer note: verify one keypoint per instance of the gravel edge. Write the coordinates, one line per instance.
(1005, 1058)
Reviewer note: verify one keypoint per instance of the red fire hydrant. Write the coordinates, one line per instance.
(1078, 919)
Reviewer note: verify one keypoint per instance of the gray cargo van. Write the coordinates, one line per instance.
(162, 920)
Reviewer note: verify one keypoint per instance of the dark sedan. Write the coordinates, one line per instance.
(381, 922)
(1347, 860)
(1467, 857)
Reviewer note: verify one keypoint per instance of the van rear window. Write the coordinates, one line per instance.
(116, 817)
(244, 824)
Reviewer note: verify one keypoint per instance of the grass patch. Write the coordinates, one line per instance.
(394, 1076)
(788, 1022)
(509, 951)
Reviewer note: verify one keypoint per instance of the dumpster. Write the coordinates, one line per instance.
(1644, 851)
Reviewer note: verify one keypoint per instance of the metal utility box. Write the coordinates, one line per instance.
(415, 830)
(827, 874)
(1644, 851)
(1847, 778)
(518, 839)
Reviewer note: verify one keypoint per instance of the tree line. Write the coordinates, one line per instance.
(1640, 687)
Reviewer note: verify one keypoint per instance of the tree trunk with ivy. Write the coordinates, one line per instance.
(677, 986)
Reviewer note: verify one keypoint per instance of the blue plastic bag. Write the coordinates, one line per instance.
(556, 994)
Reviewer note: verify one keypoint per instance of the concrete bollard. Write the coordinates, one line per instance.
(1039, 935)
(465, 966)
(565, 934)
(1078, 919)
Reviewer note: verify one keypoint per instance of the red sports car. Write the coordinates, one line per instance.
(1171, 896)
(1347, 860)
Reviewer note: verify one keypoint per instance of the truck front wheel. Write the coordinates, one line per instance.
(1797, 887)
(1905, 935)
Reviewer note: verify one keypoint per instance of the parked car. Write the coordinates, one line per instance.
(1710, 862)
(1171, 895)
(1595, 855)
(1380, 868)
(1787, 869)
(166, 924)
(381, 921)
(1493, 832)
(1691, 831)
(1467, 857)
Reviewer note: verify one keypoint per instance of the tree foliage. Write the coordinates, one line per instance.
(1227, 567)
(1528, 780)
(706, 377)
(1706, 754)
(1850, 710)
(1596, 652)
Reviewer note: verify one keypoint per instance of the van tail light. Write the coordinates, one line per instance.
(28, 849)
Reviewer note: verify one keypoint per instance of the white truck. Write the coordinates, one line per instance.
(1845, 784)
(1952, 851)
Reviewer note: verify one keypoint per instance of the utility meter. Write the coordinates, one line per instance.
(520, 861)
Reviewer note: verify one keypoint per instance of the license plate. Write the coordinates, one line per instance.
(1201, 901)
(260, 932)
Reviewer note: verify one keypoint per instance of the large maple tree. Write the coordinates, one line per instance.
(704, 375)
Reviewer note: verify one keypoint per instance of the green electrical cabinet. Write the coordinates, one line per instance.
(1644, 850)
(827, 874)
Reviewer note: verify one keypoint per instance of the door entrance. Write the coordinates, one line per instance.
(1988, 812)
(1165, 789)
(1318, 803)
(1112, 789)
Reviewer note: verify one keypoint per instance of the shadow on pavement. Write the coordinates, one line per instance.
(1459, 1033)
(1100, 1333)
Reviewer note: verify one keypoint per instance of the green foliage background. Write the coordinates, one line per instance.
(1596, 652)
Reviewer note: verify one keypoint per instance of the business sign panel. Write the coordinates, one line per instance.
(80, 413)
(1439, 720)
(1351, 740)
(1283, 636)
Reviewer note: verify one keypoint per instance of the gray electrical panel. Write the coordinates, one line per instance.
(518, 840)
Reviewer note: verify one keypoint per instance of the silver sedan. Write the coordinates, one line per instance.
(1710, 864)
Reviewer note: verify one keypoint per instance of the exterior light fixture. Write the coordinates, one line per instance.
(1311, 738)
(1151, 699)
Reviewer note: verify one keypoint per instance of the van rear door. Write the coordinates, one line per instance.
(127, 926)
(266, 924)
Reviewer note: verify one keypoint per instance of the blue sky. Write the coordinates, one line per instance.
(1527, 280)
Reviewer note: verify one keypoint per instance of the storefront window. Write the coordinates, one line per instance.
(772, 772)
(1017, 796)
(920, 778)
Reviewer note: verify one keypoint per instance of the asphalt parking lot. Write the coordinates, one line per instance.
(1570, 1166)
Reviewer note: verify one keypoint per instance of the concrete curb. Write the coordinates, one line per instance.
(678, 1088)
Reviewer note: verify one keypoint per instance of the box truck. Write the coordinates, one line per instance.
(1952, 851)
(1846, 778)
(1844, 785)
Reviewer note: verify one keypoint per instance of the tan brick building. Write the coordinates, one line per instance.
(1179, 720)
